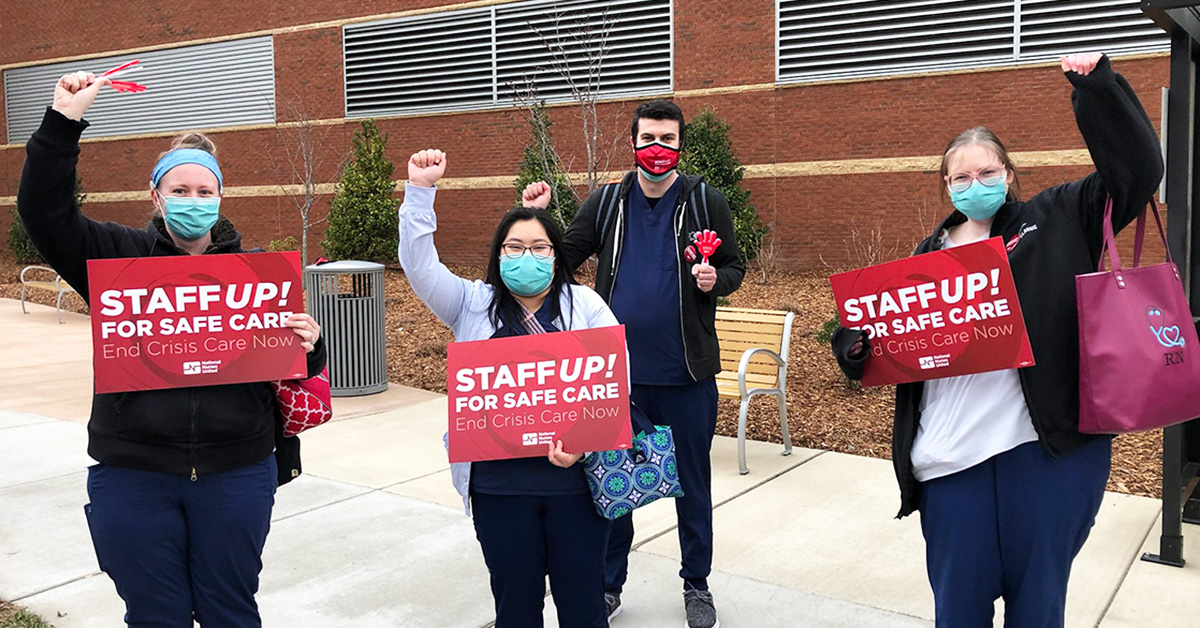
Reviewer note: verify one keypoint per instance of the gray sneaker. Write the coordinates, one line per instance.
(698, 605)
(612, 601)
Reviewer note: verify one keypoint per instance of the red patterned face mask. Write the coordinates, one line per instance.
(656, 160)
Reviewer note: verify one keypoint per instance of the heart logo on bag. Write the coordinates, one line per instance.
(1171, 335)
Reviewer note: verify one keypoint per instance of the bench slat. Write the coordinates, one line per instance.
(751, 379)
(740, 346)
(753, 316)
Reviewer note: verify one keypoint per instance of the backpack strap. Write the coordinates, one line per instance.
(700, 203)
(608, 203)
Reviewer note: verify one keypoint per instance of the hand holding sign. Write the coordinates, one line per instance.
(560, 458)
(306, 328)
(537, 195)
(426, 167)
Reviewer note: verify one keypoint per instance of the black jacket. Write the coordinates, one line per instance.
(1060, 236)
(190, 431)
(599, 228)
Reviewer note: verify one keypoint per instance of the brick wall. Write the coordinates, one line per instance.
(816, 219)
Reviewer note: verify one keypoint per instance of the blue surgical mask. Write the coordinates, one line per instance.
(526, 275)
(980, 202)
(190, 217)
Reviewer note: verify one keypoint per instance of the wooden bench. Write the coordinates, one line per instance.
(57, 285)
(754, 353)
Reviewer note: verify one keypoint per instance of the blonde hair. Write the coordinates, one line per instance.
(191, 140)
(981, 136)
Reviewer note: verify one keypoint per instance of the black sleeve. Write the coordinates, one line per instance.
(581, 238)
(317, 358)
(63, 236)
(727, 259)
(841, 342)
(1124, 146)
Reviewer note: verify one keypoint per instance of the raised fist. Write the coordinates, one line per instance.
(1081, 64)
(426, 167)
(75, 92)
(536, 195)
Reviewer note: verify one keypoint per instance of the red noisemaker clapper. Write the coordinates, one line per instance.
(120, 70)
(707, 243)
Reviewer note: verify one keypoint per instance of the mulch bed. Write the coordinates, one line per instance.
(824, 411)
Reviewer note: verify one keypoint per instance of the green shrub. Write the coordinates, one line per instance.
(540, 163)
(825, 332)
(289, 243)
(362, 220)
(708, 151)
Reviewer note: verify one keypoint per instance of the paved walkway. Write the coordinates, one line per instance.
(373, 535)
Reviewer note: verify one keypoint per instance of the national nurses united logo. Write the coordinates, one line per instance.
(1167, 335)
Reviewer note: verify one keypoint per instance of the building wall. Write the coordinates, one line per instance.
(830, 165)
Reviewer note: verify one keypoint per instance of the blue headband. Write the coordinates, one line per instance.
(181, 156)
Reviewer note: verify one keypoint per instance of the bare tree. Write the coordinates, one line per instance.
(307, 147)
(578, 47)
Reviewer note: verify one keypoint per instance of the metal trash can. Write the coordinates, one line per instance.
(346, 299)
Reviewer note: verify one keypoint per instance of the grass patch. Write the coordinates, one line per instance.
(16, 617)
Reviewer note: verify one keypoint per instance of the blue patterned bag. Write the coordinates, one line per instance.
(624, 479)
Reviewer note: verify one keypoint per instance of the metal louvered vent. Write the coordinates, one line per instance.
(208, 85)
(616, 47)
(831, 39)
(1050, 28)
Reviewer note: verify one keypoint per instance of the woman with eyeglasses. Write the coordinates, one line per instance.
(533, 516)
(1007, 486)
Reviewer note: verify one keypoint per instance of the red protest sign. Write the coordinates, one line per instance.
(512, 397)
(192, 320)
(950, 312)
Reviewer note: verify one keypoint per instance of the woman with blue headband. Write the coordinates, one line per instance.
(181, 498)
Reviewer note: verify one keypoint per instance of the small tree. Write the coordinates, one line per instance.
(362, 219)
(709, 152)
(18, 240)
(306, 146)
(541, 163)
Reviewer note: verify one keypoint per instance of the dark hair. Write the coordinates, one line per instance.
(504, 306)
(658, 110)
(982, 136)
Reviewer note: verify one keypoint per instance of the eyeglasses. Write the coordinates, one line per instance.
(988, 177)
(514, 249)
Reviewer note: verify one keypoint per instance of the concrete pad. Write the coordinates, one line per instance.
(435, 488)
(44, 538)
(765, 462)
(1115, 542)
(307, 493)
(53, 376)
(379, 450)
(378, 560)
(653, 599)
(10, 419)
(396, 396)
(1159, 595)
(74, 409)
(42, 450)
(826, 528)
(90, 602)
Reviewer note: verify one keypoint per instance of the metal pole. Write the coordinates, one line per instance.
(1181, 164)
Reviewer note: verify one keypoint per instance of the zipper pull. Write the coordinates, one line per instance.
(193, 474)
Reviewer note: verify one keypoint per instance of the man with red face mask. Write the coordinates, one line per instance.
(656, 277)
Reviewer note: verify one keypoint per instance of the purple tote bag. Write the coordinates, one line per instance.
(1139, 363)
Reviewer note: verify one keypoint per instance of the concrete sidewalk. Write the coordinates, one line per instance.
(374, 535)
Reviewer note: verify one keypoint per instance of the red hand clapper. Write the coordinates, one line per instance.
(125, 86)
(707, 243)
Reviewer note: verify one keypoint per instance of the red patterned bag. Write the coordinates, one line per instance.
(304, 403)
